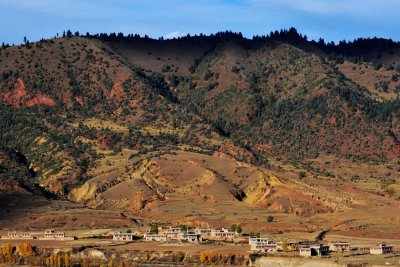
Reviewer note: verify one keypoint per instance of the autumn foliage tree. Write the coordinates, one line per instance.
(67, 260)
(208, 257)
(25, 249)
(7, 249)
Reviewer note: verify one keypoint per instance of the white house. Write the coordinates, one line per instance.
(223, 234)
(262, 244)
(381, 249)
(339, 246)
(123, 236)
(172, 232)
(191, 238)
(18, 235)
(314, 250)
(51, 234)
(155, 237)
(205, 232)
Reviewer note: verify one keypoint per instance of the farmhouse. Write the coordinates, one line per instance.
(257, 242)
(19, 235)
(123, 236)
(305, 251)
(51, 234)
(190, 238)
(381, 249)
(264, 247)
(172, 232)
(155, 237)
(314, 250)
(204, 231)
(339, 246)
(223, 234)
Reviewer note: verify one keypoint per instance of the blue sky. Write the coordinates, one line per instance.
(330, 19)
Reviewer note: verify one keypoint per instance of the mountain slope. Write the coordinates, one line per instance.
(144, 126)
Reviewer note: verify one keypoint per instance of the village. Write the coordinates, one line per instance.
(260, 246)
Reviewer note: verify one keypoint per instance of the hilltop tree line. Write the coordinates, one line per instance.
(357, 47)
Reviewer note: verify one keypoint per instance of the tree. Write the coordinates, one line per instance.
(252, 234)
(25, 249)
(59, 260)
(129, 230)
(239, 229)
(235, 69)
(51, 260)
(203, 257)
(212, 257)
(154, 228)
(7, 249)
(184, 228)
(270, 218)
(302, 175)
(208, 75)
(67, 261)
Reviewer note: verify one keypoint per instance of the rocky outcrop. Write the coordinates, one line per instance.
(19, 96)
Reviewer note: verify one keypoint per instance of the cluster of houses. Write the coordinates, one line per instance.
(177, 234)
(197, 235)
(258, 244)
(49, 234)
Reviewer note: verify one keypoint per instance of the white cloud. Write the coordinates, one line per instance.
(172, 35)
(370, 8)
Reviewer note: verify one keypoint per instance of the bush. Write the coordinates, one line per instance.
(270, 218)
(208, 75)
(235, 69)
(154, 229)
(302, 175)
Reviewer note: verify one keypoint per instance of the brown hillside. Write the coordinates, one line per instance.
(205, 130)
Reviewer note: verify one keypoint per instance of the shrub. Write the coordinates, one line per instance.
(302, 175)
(208, 75)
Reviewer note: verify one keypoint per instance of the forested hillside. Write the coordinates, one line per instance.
(72, 105)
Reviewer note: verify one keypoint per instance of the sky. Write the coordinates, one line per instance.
(332, 20)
